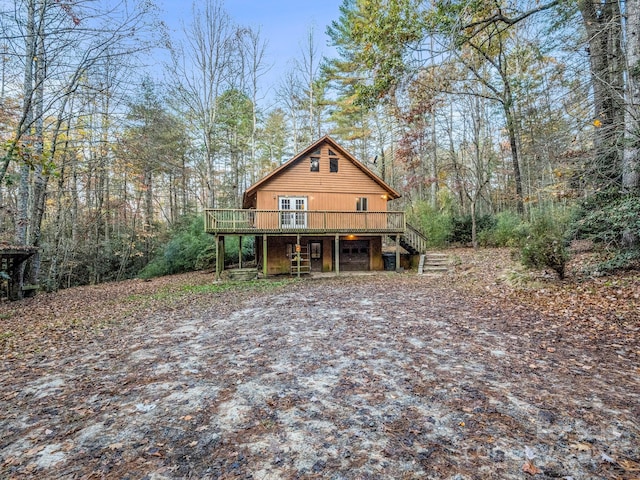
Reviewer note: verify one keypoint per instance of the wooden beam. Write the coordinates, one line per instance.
(336, 254)
(397, 253)
(264, 255)
(298, 253)
(217, 242)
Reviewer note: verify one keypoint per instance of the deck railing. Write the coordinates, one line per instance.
(235, 221)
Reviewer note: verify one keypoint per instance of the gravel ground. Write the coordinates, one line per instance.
(378, 377)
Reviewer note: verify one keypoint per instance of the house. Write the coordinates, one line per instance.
(321, 211)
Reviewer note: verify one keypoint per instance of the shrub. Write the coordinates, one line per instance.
(184, 251)
(461, 227)
(434, 223)
(611, 219)
(545, 247)
(606, 217)
(509, 231)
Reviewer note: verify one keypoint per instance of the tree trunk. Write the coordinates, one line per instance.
(474, 224)
(602, 21)
(631, 158)
(507, 105)
(40, 180)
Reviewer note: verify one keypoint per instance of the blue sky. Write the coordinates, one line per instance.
(283, 24)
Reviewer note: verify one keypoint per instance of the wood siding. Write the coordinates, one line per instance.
(377, 200)
(324, 190)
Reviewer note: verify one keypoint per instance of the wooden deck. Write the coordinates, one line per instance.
(292, 222)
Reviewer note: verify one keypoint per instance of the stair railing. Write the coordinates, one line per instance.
(415, 238)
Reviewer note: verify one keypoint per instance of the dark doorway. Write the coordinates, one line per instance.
(354, 255)
(315, 251)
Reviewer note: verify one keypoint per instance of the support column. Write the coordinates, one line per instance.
(264, 255)
(240, 251)
(397, 253)
(298, 253)
(336, 254)
(217, 242)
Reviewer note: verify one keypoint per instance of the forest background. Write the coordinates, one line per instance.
(501, 123)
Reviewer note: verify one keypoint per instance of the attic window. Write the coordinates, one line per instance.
(315, 164)
(333, 164)
(331, 153)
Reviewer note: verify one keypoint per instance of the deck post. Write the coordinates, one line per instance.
(298, 253)
(240, 251)
(336, 254)
(217, 242)
(264, 255)
(397, 253)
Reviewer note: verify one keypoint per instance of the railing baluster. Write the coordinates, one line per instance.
(239, 221)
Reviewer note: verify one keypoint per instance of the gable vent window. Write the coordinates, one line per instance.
(333, 164)
(315, 164)
(362, 205)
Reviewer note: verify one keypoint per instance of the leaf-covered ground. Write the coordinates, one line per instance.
(476, 374)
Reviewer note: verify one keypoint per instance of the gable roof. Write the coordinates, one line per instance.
(334, 146)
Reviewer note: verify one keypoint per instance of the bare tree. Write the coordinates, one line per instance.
(200, 71)
(252, 51)
(62, 44)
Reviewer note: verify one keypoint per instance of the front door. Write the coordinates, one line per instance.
(292, 213)
(315, 251)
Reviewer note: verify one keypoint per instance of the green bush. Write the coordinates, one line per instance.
(461, 227)
(509, 231)
(606, 217)
(434, 223)
(231, 249)
(545, 247)
(185, 251)
(610, 219)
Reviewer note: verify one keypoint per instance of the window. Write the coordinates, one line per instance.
(333, 164)
(315, 164)
(362, 205)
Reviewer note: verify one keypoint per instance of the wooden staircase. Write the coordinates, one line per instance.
(413, 241)
(433, 264)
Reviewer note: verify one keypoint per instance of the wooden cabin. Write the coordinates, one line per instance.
(321, 211)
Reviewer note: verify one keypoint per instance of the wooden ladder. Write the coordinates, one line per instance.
(305, 261)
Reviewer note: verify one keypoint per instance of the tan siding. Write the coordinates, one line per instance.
(324, 190)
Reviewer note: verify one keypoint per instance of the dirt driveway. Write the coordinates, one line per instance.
(379, 377)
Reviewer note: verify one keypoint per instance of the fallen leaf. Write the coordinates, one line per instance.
(629, 465)
(35, 450)
(530, 468)
(581, 447)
